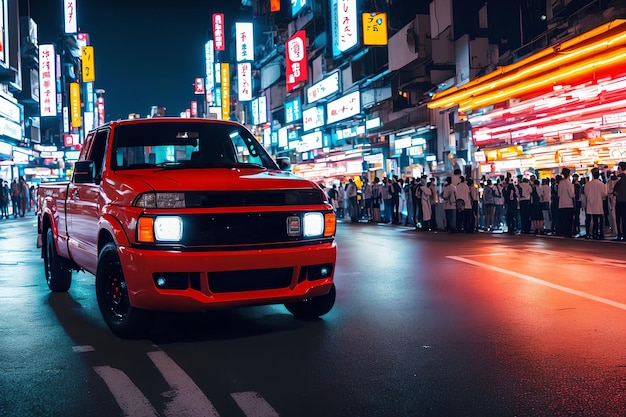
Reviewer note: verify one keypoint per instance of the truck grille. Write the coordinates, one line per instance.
(212, 199)
(236, 229)
(250, 280)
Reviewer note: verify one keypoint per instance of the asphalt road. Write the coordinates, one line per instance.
(425, 324)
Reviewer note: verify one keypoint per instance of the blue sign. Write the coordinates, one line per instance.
(293, 110)
(296, 6)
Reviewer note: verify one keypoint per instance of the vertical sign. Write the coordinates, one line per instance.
(209, 56)
(374, 28)
(75, 104)
(100, 105)
(88, 67)
(274, 5)
(344, 25)
(4, 35)
(297, 68)
(244, 81)
(218, 31)
(194, 108)
(47, 81)
(225, 73)
(69, 14)
(198, 86)
(244, 41)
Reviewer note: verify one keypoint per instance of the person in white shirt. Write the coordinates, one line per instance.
(464, 213)
(449, 205)
(525, 189)
(595, 194)
(566, 204)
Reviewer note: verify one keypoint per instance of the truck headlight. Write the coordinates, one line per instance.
(313, 224)
(160, 229)
(160, 200)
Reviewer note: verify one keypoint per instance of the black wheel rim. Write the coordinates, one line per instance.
(116, 294)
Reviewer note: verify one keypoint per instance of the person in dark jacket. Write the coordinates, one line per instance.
(620, 200)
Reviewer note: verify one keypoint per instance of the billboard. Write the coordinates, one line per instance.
(88, 66)
(69, 16)
(344, 25)
(374, 28)
(244, 41)
(218, 31)
(47, 80)
(244, 81)
(344, 107)
(225, 76)
(297, 67)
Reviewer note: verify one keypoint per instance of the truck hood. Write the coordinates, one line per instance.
(216, 179)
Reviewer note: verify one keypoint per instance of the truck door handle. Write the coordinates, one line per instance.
(75, 193)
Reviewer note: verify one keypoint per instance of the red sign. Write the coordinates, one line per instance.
(297, 69)
(68, 140)
(198, 86)
(218, 31)
(194, 109)
(274, 5)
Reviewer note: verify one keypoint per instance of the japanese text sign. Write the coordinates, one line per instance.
(47, 81)
(312, 118)
(218, 31)
(296, 6)
(323, 88)
(244, 40)
(244, 81)
(297, 69)
(293, 110)
(69, 15)
(344, 107)
(225, 76)
(374, 28)
(344, 25)
(75, 104)
(88, 66)
(198, 86)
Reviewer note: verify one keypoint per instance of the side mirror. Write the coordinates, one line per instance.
(84, 172)
(284, 163)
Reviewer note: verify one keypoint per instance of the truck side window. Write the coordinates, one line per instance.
(98, 151)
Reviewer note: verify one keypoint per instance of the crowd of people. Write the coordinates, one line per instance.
(507, 203)
(17, 198)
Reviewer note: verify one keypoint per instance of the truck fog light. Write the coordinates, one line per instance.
(324, 271)
(160, 281)
(168, 228)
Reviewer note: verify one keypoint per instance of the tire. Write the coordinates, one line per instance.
(123, 319)
(312, 308)
(58, 275)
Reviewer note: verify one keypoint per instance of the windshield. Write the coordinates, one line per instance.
(186, 145)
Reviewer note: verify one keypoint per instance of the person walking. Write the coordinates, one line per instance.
(24, 196)
(385, 193)
(464, 205)
(426, 196)
(489, 208)
(351, 195)
(619, 190)
(567, 201)
(536, 212)
(595, 194)
(525, 189)
(449, 205)
(4, 199)
(396, 190)
(545, 204)
(341, 200)
(367, 198)
(498, 201)
(15, 197)
(510, 201)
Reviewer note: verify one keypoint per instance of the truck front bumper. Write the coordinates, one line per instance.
(194, 281)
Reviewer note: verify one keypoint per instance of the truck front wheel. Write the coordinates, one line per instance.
(315, 307)
(123, 319)
(58, 276)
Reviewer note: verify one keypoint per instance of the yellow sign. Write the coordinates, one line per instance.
(75, 104)
(225, 72)
(375, 28)
(88, 66)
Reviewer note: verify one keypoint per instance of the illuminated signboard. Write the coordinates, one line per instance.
(312, 118)
(75, 104)
(263, 110)
(69, 14)
(375, 28)
(296, 6)
(87, 64)
(4, 35)
(344, 107)
(209, 79)
(194, 108)
(225, 73)
(244, 81)
(344, 25)
(293, 110)
(244, 41)
(323, 88)
(297, 69)
(255, 112)
(309, 142)
(47, 81)
(274, 5)
(218, 31)
(282, 137)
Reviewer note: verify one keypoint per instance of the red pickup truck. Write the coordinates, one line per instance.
(175, 214)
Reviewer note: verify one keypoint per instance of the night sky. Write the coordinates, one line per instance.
(146, 52)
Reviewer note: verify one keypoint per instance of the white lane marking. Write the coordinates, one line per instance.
(83, 348)
(130, 399)
(186, 398)
(253, 405)
(542, 282)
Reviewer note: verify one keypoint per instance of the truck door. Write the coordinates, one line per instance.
(84, 206)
